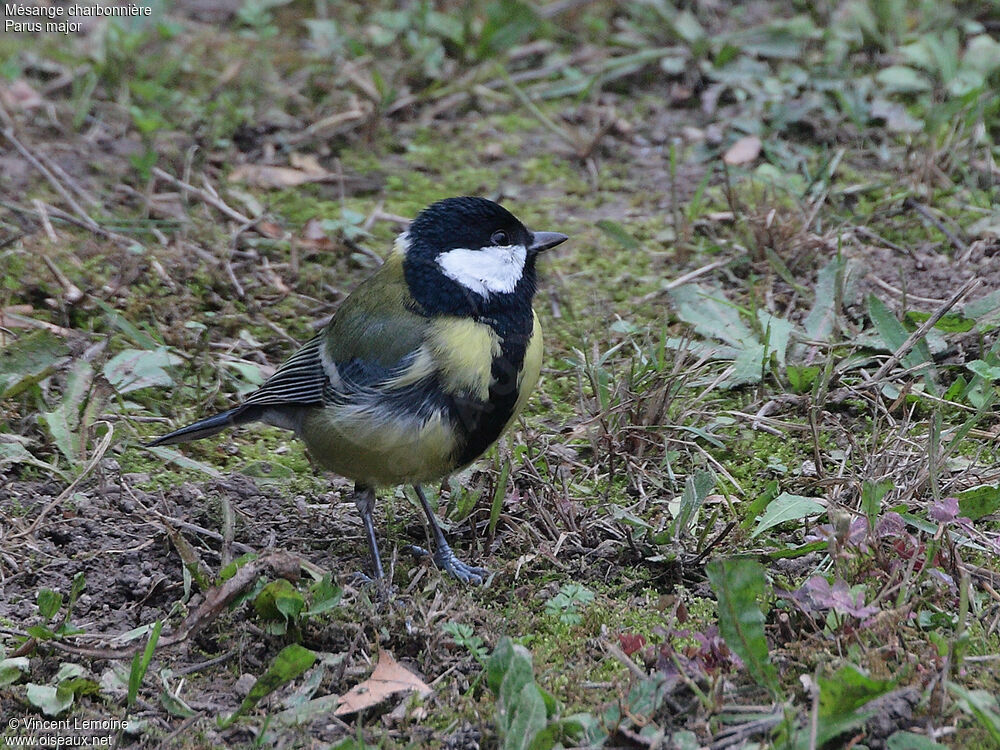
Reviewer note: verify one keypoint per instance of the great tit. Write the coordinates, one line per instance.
(421, 368)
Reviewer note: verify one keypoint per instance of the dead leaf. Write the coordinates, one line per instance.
(19, 95)
(314, 236)
(269, 229)
(267, 176)
(744, 151)
(307, 163)
(389, 678)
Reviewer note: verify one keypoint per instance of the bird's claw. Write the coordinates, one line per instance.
(446, 560)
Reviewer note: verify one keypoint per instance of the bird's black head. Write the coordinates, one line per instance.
(471, 256)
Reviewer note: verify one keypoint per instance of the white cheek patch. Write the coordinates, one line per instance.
(490, 270)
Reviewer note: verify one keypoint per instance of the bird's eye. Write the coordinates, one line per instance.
(500, 238)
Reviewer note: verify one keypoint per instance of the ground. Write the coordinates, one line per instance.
(754, 501)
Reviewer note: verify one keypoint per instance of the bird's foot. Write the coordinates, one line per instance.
(383, 588)
(446, 560)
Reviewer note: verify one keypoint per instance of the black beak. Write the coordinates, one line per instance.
(545, 240)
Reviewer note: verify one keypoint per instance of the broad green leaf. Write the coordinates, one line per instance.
(69, 671)
(985, 310)
(51, 700)
(65, 419)
(981, 704)
(899, 79)
(911, 741)
(290, 662)
(786, 507)
(11, 669)
(687, 27)
(819, 323)
(847, 690)
(738, 584)
(279, 600)
(893, 335)
(710, 314)
(134, 369)
(140, 662)
(138, 337)
(175, 457)
(979, 501)
(778, 331)
(696, 488)
(49, 602)
(15, 453)
(521, 706)
(324, 595)
(949, 323)
(982, 54)
(29, 360)
(871, 498)
(989, 373)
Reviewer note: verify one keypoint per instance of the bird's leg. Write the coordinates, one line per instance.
(444, 558)
(364, 500)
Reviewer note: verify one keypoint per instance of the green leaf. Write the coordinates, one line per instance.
(949, 323)
(979, 501)
(618, 233)
(819, 323)
(29, 360)
(175, 457)
(696, 488)
(62, 423)
(11, 669)
(711, 315)
(893, 335)
(51, 700)
(899, 79)
(507, 23)
(279, 600)
(871, 498)
(911, 741)
(134, 369)
(290, 662)
(140, 662)
(325, 595)
(40, 632)
(981, 704)
(49, 602)
(786, 507)
(801, 377)
(738, 584)
(987, 372)
(847, 690)
(138, 337)
(521, 710)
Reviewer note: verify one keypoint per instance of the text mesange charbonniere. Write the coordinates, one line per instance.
(16, 11)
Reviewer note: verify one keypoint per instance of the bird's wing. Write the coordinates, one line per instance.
(373, 338)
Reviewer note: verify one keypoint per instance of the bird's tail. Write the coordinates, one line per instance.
(205, 427)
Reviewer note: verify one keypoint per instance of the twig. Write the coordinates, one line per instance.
(205, 196)
(689, 276)
(44, 217)
(921, 209)
(53, 180)
(228, 530)
(621, 656)
(73, 292)
(213, 535)
(918, 334)
(899, 292)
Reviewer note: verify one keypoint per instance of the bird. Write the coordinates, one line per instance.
(421, 368)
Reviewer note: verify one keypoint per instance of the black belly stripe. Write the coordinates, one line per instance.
(482, 423)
